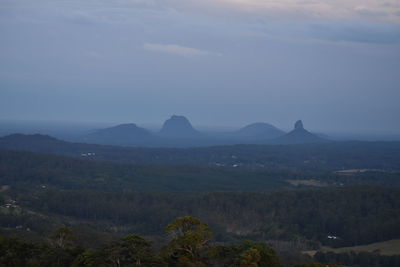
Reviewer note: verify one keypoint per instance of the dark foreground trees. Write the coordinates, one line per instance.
(17, 253)
(132, 250)
(189, 245)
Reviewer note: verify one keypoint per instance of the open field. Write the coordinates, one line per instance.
(355, 171)
(310, 182)
(387, 248)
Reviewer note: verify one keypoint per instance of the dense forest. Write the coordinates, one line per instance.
(333, 156)
(70, 173)
(112, 206)
(355, 215)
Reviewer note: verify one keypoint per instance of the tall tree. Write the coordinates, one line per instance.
(189, 241)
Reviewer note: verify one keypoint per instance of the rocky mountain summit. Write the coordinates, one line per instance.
(178, 127)
(299, 135)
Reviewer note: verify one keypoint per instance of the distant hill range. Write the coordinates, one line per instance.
(298, 135)
(177, 131)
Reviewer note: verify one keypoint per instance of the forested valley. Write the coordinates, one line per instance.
(74, 210)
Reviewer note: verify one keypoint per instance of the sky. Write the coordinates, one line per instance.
(335, 64)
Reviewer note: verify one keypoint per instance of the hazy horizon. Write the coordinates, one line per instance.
(69, 129)
(223, 63)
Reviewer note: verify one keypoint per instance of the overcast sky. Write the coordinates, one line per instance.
(333, 63)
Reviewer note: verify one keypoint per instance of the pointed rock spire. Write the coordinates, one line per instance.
(298, 125)
(299, 136)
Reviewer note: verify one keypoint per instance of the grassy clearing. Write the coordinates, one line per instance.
(310, 182)
(388, 248)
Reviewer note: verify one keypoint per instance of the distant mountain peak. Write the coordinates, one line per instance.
(299, 135)
(298, 125)
(125, 126)
(260, 130)
(178, 126)
(127, 133)
(179, 118)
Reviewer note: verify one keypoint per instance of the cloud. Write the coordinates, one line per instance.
(373, 10)
(357, 33)
(176, 49)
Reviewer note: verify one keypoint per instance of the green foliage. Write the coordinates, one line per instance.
(266, 255)
(62, 237)
(189, 241)
(18, 253)
(14, 252)
(250, 258)
(246, 253)
(50, 171)
(189, 246)
(51, 191)
(356, 215)
(317, 264)
(90, 258)
(132, 250)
